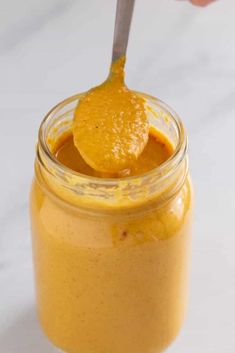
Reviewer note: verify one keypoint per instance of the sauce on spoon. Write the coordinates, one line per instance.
(111, 127)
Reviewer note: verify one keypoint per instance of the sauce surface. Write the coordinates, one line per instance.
(156, 152)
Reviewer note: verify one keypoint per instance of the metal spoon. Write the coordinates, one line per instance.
(123, 19)
(110, 126)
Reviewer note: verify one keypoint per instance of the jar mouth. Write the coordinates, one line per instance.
(160, 183)
(179, 151)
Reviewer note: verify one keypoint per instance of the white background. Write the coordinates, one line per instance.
(184, 55)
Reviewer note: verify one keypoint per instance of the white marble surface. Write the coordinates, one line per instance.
(182, 54)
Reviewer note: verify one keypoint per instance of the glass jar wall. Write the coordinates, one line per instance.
(111, 255)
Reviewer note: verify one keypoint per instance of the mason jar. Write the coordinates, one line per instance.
(111, 255)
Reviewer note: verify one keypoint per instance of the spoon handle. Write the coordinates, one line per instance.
(124, 12)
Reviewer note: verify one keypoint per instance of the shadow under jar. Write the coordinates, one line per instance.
(111, 255)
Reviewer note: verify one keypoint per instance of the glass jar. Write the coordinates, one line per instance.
(111, 255)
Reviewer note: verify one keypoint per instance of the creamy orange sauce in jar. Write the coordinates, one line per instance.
(111, 252)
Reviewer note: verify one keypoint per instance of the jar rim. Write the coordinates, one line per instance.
(160, 171)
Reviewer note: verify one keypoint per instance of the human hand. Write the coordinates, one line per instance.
(201, 2)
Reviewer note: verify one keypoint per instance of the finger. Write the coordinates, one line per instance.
(201, 2)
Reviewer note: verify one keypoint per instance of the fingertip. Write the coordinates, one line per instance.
(201, 3)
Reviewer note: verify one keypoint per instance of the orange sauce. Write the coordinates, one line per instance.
(157, 151)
